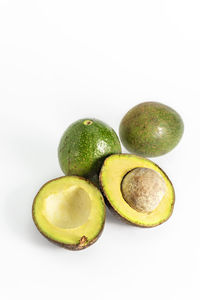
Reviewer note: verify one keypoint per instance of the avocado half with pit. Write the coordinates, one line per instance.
(137, 189)
(69, 211)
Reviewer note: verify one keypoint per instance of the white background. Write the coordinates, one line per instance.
(63, 60)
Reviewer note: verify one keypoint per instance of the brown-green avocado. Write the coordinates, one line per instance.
(137, 189)
(151, 129)
(70, 212)
(84, 146)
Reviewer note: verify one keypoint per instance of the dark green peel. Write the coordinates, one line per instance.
(84, 146)
(151, 129)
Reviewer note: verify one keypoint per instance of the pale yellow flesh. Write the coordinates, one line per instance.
(69, 208)
(114, 169)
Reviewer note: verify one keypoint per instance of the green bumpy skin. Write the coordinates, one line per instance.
(84, 146)
(151, 129)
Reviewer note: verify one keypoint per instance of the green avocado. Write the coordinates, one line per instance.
(70, 212)
(151, 129)
(137, 190)
(84, 146)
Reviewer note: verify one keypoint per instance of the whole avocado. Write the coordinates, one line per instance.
(151, 129)
(84, 146)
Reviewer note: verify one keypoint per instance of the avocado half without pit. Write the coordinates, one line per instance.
(70, 212)
(137, 189)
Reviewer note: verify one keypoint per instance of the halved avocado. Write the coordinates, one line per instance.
(69, 211)
(115, 172)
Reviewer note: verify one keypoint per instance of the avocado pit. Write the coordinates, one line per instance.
(143, 189)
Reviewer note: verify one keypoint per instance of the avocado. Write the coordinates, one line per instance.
(84, 146)
(151, 129)
(70, 212)
(137, 189)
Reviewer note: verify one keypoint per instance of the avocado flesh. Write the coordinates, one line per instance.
(114, 169)
(69, 211)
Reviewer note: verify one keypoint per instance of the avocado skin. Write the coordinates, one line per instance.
(67, 246)
(83, 148)
(116, 214)
(151, 129)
